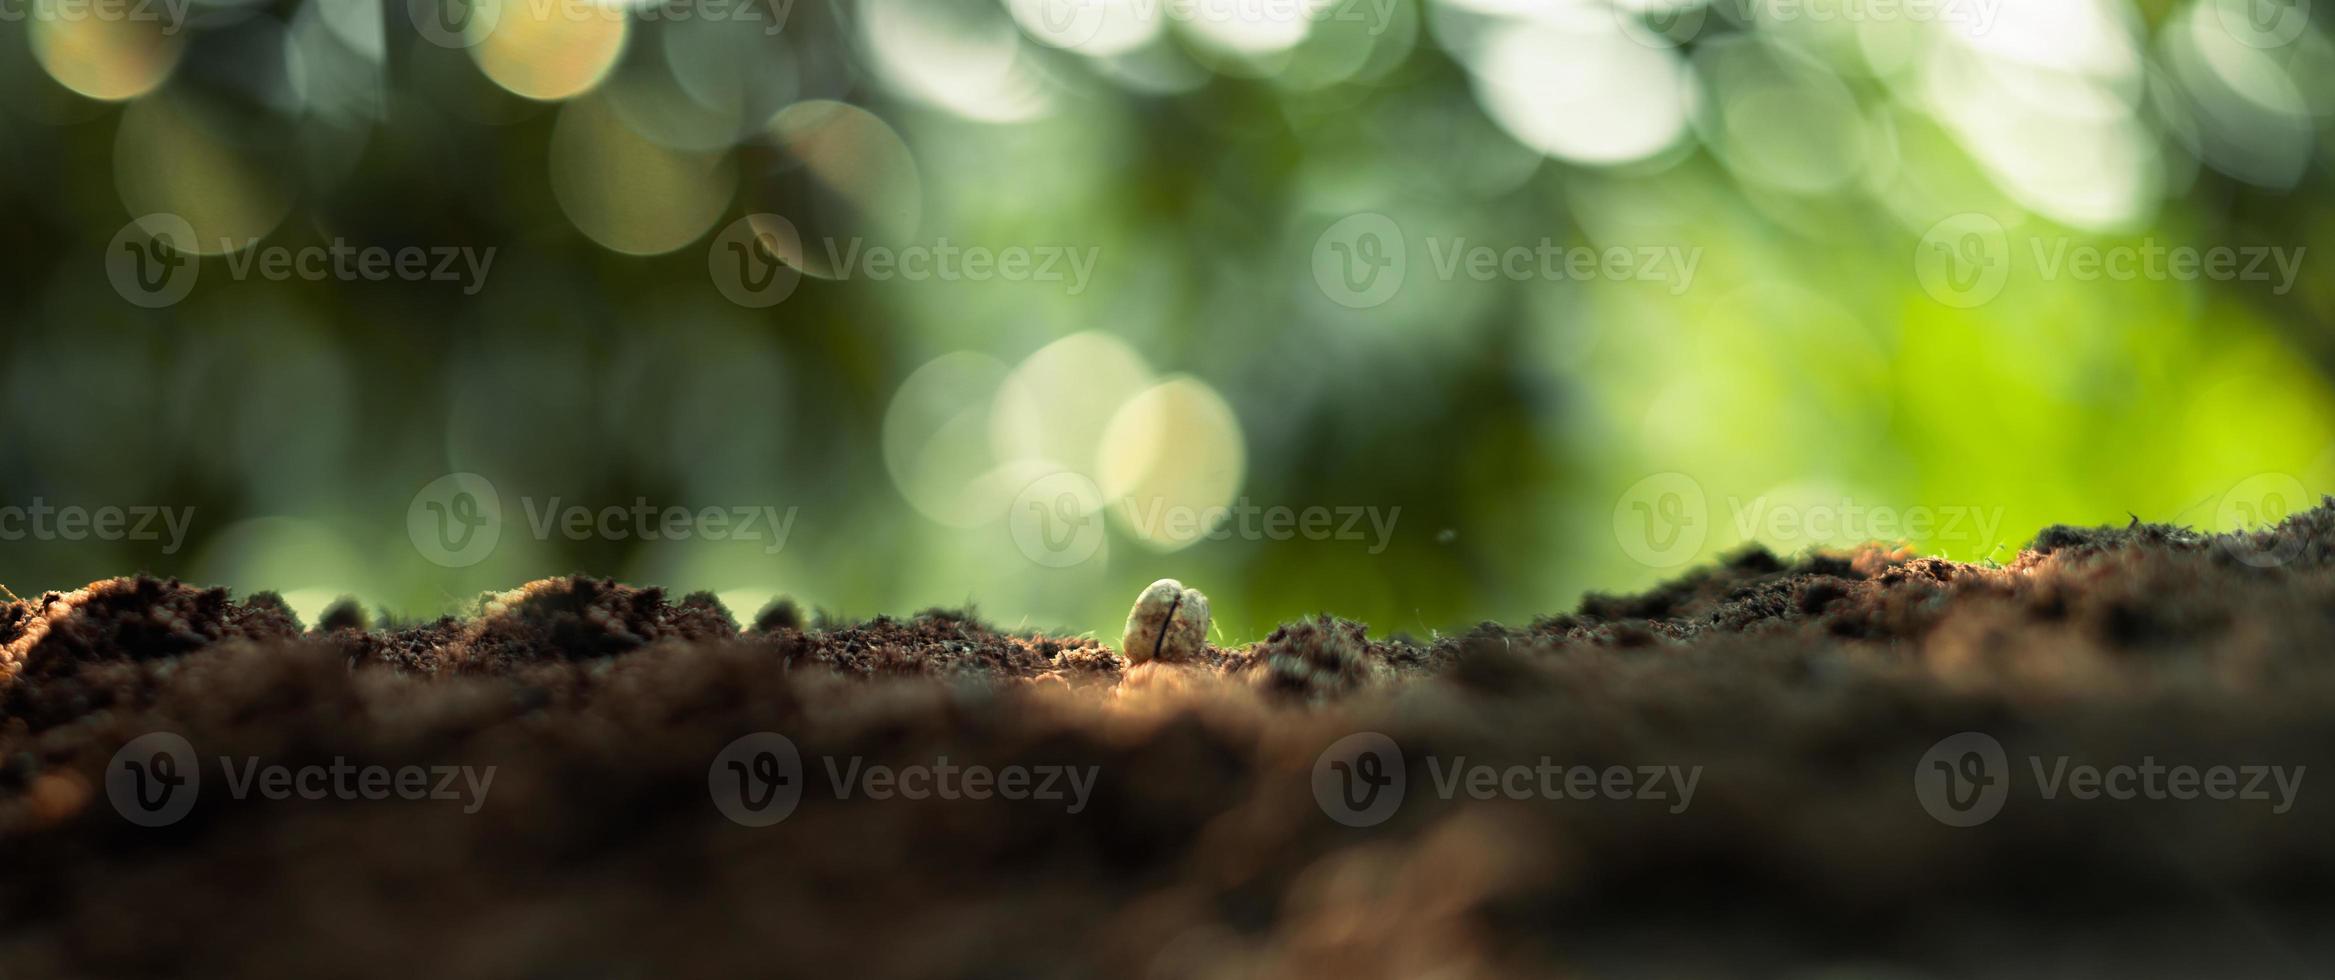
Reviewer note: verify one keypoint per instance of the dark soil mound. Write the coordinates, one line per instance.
(131, 619)
(582, 619)
(1723, 776)
(68, 653)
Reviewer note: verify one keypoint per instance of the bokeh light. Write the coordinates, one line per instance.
(1176, 448)
(102, 58)
(629, 193)
(863, 183)
(965, 58)
(936, 438)
(547, 49)
(1055, 405)
(1578, 88)
(221, 171)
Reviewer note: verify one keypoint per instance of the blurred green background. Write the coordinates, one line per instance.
(1319, 237)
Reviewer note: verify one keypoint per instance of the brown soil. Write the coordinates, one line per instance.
(1807, 690)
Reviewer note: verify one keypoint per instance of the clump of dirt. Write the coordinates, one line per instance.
(66, 653)
(1752, 733)
(344, 615)
(580, 618)
(780, 614)
(943, 643)
(131, 619)
(1312, 659)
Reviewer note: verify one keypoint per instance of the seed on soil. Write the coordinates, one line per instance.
(1169, 622)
